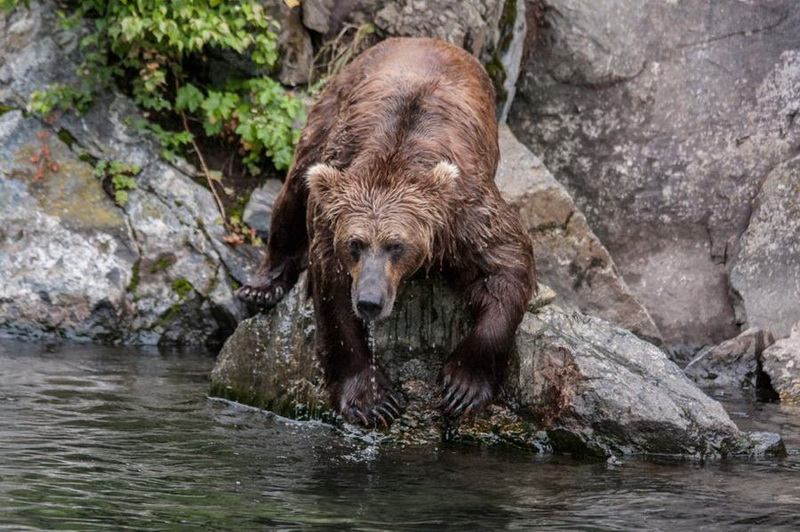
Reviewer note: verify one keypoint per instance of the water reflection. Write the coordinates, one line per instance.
(113, 438)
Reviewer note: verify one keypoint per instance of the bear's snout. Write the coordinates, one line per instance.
(371, 290)
(369, 305)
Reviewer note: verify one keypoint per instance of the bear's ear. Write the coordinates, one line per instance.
(321, 179)
(445, 175)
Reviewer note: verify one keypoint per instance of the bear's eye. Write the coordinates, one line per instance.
(355, 247)
(395, 249)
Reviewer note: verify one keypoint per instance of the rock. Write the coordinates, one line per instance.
(258, 211)
(472, 25)
(766, 266)
(569, 257)
(75, 264)
(781, 361)
(687, 292)
(317, 15)
(432, 323)
(66, 252)
(34, 52)
(297, 52)
(269, 361)
(765, 444)
(598, 389)
(662, 119)
(80, 267)
(578, 384)
(735, 363)
(511, 48)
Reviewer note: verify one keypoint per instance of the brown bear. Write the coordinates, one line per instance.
(394, 173)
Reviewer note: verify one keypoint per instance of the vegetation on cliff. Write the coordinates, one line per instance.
(200, 72)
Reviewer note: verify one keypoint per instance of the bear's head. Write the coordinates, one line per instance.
(384, 228)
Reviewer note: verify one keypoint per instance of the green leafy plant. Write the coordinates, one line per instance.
(6, 5)
(117, 178)
(59, 96)
(162, 54)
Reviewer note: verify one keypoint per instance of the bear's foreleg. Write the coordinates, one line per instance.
(476, 370)
(358, 388)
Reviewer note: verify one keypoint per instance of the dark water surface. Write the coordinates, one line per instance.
(98, 438)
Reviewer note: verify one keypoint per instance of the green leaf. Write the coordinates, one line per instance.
(188, 98)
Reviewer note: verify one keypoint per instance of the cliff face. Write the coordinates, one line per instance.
(156, 268)
(668, 123)
(76, 265)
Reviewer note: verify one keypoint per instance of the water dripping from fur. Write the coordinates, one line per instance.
(373, 364)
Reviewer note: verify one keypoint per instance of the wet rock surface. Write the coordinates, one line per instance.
(663, 119)
(599, 388)
(578, 385)
(781, 361)
(735, 363)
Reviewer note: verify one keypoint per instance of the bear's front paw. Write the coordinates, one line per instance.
(465, 389)
(367, 398)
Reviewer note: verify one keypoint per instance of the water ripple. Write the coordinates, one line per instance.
(125, 439)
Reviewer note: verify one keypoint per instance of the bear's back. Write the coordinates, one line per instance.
(408, 103)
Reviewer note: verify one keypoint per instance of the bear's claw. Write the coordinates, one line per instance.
(269, 285)
(388, 410)
(463, 392)
(264, 297)
(366, 397)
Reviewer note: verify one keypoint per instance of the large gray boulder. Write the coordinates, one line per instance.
(765, 276)
(598, 388)
(569, 257)
(663, 119)
(75, 264)
(577, 385)
(60, 231)
(78, 266)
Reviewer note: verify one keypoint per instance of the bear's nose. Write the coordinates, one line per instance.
(369, 305)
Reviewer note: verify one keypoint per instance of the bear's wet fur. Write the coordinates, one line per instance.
(394, 173)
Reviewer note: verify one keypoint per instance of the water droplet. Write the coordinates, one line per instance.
(373, 366)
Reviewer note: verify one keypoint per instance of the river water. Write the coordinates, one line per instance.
(95, 438)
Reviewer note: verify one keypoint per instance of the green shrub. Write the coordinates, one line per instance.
(153, 48)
